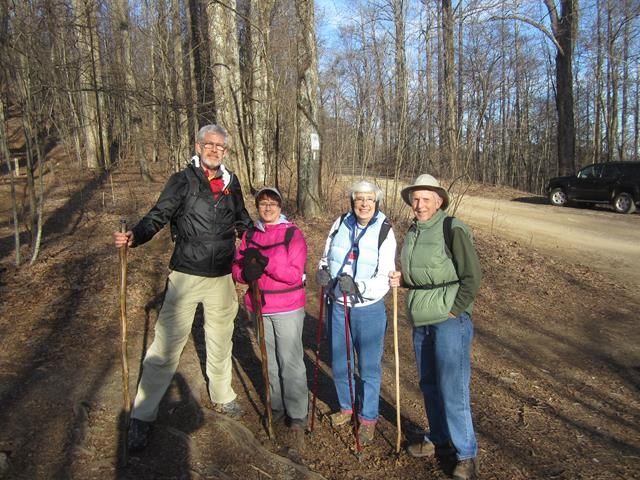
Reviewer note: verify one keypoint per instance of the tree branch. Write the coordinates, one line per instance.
(534, 24)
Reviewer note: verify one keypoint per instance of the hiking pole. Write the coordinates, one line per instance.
(397, 359)
(348, 345)
(257, 308)
(317, 365)
(126, 399)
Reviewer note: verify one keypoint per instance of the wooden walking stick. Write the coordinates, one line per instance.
(126, 399)
(257, 308)
(317, 365)
(397, 358)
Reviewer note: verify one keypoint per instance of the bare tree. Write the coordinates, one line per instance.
(224, 54)
(563, 26)
(179, 84)
(401, 93)
(90, 100)
(307, 112)
(449, 87)
(4, 149)
(259, 101)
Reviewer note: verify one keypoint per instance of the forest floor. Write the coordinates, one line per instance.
(555, 379)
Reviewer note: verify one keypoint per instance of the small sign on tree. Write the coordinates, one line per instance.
(315, 142)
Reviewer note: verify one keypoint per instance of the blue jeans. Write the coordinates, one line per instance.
(368, 325)
(443, 358)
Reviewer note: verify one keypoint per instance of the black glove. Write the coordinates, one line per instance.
(348, 285)
(252, 272)
(253, 255)
(254, 264)
(323, 277)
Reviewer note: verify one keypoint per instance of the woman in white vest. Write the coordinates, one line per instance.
(359, 254)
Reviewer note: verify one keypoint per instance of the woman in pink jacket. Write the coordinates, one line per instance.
(274, 252)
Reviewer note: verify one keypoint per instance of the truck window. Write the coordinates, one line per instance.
(592, 171)
(632, 170)
(611, 171)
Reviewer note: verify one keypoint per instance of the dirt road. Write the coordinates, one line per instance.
(601, 239)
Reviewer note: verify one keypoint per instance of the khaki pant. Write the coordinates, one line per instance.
(184, 293)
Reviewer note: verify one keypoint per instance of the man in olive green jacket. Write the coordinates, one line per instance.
(443, 283)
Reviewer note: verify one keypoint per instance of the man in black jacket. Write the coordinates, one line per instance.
(204, 205)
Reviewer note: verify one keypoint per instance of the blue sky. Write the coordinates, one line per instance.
(330, 14)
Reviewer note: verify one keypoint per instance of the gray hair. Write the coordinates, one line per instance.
(365, 187)
(211, 129)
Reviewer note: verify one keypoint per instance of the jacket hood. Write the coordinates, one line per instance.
(259, 224)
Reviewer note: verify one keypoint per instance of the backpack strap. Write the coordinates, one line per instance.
(447, 230)
(192, 193)
(193, 188)
(288, 235)
(382, 236)
(433, 286)
(448, 235)
(384, 231)
(342, 217)
(250, 232)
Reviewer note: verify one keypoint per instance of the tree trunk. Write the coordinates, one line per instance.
(613, 81)
(227, 86)
(564, 28)
(636, 118)
(4, 149)
(180, 103)
(622, 153)
(598, 94)
(260, 110)
(449, 84)
(309, 187)
(401, 95)
(89, 106)
(125, 101)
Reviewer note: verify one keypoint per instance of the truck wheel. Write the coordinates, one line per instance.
(557, 197)
(623, 203)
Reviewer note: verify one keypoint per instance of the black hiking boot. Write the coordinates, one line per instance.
(138, 435)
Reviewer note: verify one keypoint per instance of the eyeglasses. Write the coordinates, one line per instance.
(364, 200)
(268, 204)
(213, 146)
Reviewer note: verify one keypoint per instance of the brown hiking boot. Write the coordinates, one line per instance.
(366, 434)
(425, 448)
(340, 418)
(466, 469)
(231, 409)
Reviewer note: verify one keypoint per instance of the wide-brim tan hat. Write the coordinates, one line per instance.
(426, 182)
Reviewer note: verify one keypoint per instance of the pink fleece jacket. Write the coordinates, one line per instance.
(284, 271)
